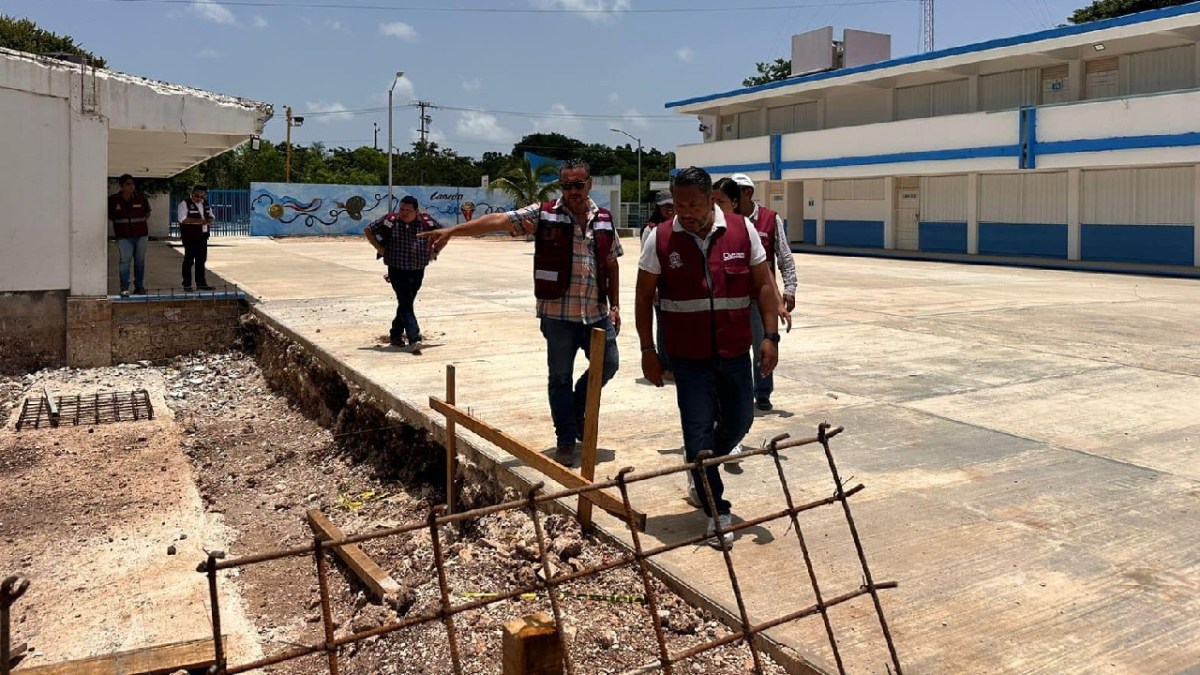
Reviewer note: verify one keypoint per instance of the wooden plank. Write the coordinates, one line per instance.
(160, 660)
(378, 582)
(591, 420)
(451, 442)
(535, 459)
(531, 646)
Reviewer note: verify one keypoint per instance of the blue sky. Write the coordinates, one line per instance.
(553, 69)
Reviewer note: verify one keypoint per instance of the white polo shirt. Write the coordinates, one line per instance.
(649, 258)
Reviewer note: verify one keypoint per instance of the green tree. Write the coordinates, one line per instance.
(553, 145)
(524, 185)
(779, 69)
(1108, 9)
(24, 35)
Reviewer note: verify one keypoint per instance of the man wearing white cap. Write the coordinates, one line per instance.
(774, 239)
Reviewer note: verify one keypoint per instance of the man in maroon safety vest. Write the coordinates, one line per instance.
(769, 226)
(577, 284)
(129, 212)
(706, 267)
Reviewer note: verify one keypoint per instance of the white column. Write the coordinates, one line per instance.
(818, 196)
(973, 213)
(1074, 210)
(889, 212)
(1196, 197)
(88, 199)
(1075, 77)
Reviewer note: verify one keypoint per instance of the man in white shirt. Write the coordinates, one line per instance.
(705, 267)
(769, 226)
(195, 220)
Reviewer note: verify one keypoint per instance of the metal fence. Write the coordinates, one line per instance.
(231, 208)
(744, 631)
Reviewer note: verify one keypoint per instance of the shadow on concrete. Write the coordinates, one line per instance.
(676, 527)
(164, 267)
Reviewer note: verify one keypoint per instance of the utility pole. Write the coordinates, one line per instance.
(926, 26)
(287, 164)
(376, 125)
(425, 121)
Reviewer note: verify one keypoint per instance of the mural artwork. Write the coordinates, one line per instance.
(301, 209)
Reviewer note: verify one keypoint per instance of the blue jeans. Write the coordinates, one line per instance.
(405, 283)
(763, 386)
(564, 339)
(715, 411)
(132, 249)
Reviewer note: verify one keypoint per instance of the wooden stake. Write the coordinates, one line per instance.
(552, 469)
(591, 420)
(378, 582)
(451, 443)
(190, 655)
(532, 647)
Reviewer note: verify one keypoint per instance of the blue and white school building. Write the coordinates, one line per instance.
(1080, 143)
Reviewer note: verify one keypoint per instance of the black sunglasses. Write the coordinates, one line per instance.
(574, 185)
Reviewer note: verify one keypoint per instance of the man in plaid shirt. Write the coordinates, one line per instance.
(394, 237)
(589, 299)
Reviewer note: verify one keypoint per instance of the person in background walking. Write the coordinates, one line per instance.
(195, 220)
(129, 212)
(770, 230)
(394, 237)
(664, 212)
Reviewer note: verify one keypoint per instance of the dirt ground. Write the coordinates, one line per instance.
(88, 515)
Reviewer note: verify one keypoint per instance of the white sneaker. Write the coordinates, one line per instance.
(736, 454)
(415, 348)
(693, 495)
(726, 523)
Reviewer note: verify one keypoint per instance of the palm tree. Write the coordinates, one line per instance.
(519, 181)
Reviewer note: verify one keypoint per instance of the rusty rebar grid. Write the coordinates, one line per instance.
(548, 583)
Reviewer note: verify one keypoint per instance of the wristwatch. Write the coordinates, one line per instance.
(773, 337)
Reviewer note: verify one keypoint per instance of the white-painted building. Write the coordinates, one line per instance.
(1076, 143)
(65, 130)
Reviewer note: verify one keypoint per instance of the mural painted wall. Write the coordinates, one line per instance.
(304, 209)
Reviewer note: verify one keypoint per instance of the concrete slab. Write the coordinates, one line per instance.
(1027, 438)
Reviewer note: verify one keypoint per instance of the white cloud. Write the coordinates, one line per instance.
(685, 54)
(595, 11)
(479, 126)
(404, 92)
(614, 98)
(260, 22)
(335, 111)
(208, 53)
(335, 25)
(563, 121)
(472, 85)
(633, 117)
(435, 136)
(399, 29)
(212, 11)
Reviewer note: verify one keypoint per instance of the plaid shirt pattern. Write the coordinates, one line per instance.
(403, 249)
(581, 303)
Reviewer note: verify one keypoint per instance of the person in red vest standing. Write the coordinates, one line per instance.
(129, 212)
(706, 268)
(195, 219)
(577, 284)
(769, 227)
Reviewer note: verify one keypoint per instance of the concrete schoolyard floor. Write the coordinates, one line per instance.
(1029, 441)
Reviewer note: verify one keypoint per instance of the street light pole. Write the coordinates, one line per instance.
(391, 89)
(641, 215)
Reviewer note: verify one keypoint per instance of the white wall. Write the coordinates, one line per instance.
(34, 228)
(744, 151)
(860, 199)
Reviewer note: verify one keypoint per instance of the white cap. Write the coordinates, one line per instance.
(742, 180)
